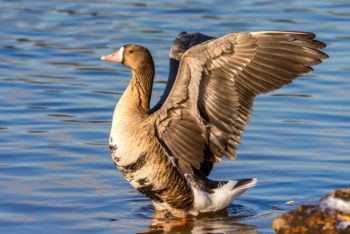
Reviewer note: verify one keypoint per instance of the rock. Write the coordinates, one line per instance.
(330, 215)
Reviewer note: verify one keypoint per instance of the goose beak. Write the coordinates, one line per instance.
(116, 57)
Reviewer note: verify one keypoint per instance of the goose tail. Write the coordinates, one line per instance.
(219, 198)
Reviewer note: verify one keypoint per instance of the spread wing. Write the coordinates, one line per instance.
(211, 101)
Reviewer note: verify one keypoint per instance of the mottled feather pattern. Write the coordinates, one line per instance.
(163, 183)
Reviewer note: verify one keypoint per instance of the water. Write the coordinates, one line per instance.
(57, 100)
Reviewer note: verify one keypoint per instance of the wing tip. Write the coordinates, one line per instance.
(320, 44)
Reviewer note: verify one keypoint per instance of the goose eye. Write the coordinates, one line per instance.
(131, 51)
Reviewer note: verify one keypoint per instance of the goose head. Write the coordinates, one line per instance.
(135, 57)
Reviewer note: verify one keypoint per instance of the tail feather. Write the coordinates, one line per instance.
(220, 197)
(245, 183)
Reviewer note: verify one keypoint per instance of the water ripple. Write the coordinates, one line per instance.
(57, 101)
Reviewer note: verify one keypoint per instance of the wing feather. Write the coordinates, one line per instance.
(212, 98)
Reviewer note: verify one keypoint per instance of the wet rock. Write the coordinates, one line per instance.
(330, 215)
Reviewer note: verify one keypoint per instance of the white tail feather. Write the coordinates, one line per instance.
(220, 198)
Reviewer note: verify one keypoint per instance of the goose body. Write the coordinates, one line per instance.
(167, 152)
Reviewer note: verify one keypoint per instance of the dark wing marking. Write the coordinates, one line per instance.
(181, 44)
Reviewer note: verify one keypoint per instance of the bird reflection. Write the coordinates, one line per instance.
(227, 221)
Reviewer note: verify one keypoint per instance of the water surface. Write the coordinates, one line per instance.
(57, 100)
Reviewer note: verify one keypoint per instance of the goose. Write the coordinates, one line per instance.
(167, 152)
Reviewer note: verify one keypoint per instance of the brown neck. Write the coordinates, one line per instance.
(141, 85)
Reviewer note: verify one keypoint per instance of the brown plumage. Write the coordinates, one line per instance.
(167, 152)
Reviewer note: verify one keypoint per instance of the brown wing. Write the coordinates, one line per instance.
(211, 101)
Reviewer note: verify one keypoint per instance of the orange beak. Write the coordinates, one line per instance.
(116, 57)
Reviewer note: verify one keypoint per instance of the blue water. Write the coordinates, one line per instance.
(57, 100)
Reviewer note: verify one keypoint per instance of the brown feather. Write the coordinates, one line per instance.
(221, 78)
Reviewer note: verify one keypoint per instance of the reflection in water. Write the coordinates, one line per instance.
(220, 222)
(201, 226)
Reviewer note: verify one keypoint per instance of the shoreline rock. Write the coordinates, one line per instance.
(330, 215)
